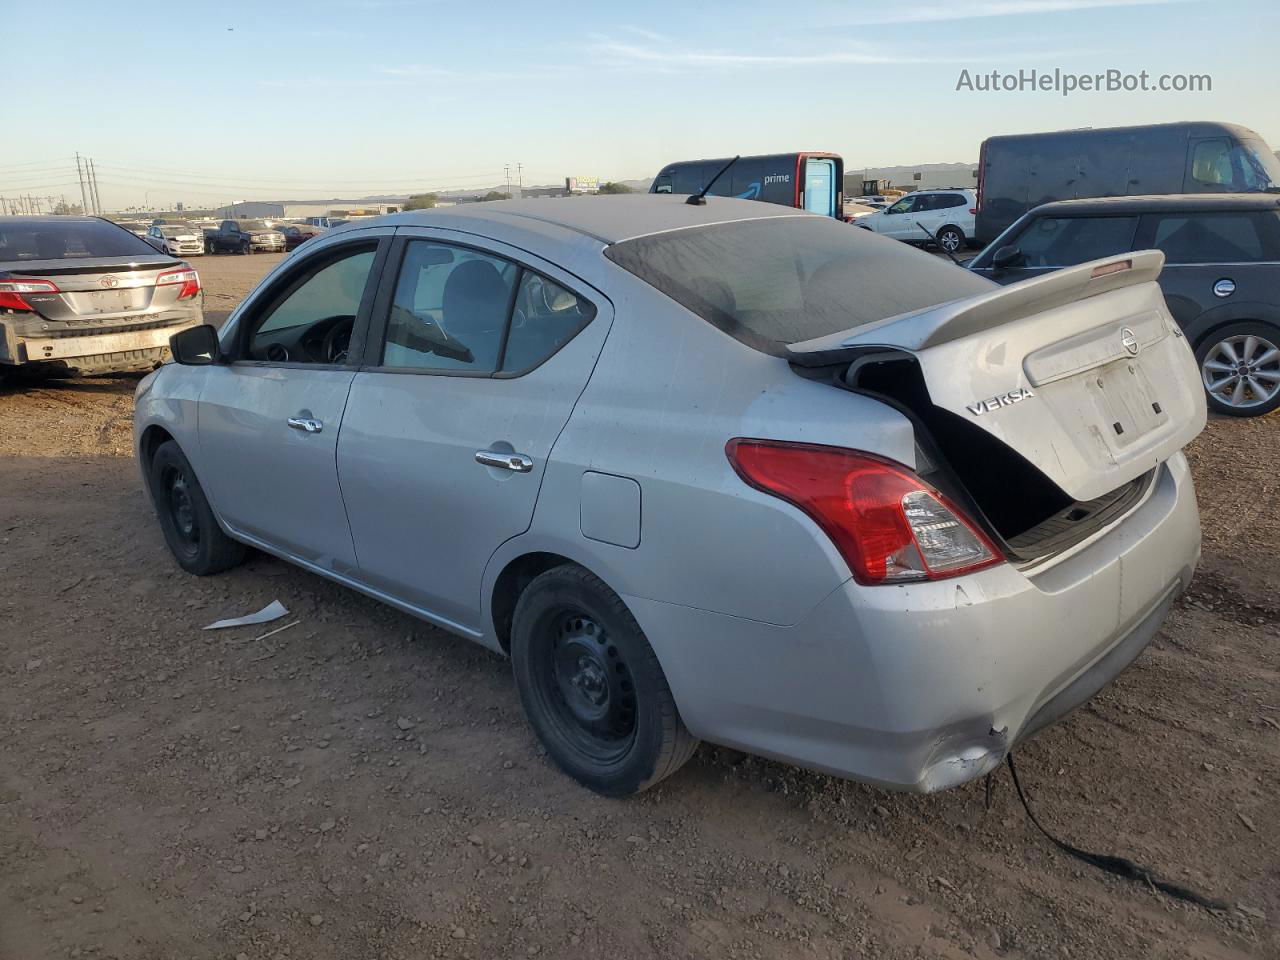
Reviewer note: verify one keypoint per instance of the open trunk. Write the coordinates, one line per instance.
(1044, 406)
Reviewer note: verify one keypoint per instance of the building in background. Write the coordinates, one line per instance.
(297, 209)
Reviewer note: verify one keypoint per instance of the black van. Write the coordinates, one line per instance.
(1221, 276)
(810, 181)
(1016, 173)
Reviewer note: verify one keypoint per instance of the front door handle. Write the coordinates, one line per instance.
(306, 424)
(515, 462)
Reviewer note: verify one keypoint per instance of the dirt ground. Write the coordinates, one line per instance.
(362, 785)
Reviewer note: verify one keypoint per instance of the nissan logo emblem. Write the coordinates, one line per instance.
(110, 281)
(1129, 341)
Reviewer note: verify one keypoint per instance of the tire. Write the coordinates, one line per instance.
(245, 249)
(1252, 388)
(592, 687)
(950, 239)
(186, 519)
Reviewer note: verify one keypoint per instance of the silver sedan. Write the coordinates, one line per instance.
(724, 471)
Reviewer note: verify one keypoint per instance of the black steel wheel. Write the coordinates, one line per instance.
(190, 529)
(592, 686)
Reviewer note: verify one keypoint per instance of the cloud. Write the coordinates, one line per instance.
(623, 53)
(664, 57)
(928, 13)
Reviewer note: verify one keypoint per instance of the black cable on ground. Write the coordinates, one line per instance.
(1120, 866)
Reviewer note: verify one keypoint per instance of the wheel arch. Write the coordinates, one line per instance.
(150, 441)
(1243, 312)
(514, 566)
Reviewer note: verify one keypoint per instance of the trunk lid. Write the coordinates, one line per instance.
(104, 289)
(1083, 372)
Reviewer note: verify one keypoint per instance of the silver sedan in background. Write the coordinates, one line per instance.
(721, 471)
(84, 294)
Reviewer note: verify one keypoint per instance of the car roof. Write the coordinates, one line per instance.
(608, 219)
(1159, 203)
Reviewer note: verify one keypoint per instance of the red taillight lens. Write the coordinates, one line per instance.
(189, 279)
(973, 211)
(11, 292)
(888, 524)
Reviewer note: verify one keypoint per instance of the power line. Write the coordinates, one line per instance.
(196, 176)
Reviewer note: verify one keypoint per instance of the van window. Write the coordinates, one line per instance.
(1216, 237)
(1222, 165)
(1066, 241)
(780, 281)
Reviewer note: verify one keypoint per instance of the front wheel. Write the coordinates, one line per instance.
(186, 519)
(950, 239)
(1240, 368)
(592, 687)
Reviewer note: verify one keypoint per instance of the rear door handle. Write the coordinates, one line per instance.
(515, 462)
(305, 424)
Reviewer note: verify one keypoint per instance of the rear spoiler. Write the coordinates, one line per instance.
(957, 319)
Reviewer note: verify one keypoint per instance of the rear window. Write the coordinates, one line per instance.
(771, 283)
(68, 240)
(1217, 237)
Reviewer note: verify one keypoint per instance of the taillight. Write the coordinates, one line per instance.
(189, 279)
(11, 292)
(973, 211)
(888, 524)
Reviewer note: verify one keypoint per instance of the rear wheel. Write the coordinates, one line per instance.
(950, 239)
(1240, 368)
(186, 519)
(592, 687)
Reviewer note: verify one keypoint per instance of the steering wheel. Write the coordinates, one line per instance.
(337, 339)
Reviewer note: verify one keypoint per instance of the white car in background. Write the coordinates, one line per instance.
(178, 239)
(947, 215)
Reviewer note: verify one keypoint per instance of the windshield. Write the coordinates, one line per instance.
(771, 283)
(68, 240)
(253, 225)
(175, 231)
(1261, 167)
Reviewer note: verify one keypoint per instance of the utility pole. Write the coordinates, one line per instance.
(93, 180)
(520, 178)
(506, 169)
(84, 203)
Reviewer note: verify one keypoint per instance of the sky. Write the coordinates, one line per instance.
(212, 102)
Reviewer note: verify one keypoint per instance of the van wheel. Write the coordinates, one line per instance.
(950, 239)
(592, 687)
(1240, 368)
(186, 519)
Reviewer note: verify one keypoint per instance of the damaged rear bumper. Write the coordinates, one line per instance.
(72, 351)
(925, 686)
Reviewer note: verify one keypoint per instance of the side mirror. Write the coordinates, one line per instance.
(1006, 258)
(196, 346)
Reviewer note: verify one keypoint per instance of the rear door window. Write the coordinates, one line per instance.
(1214, 237)
(1066, 241)
(545, 318)
(450, 310)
